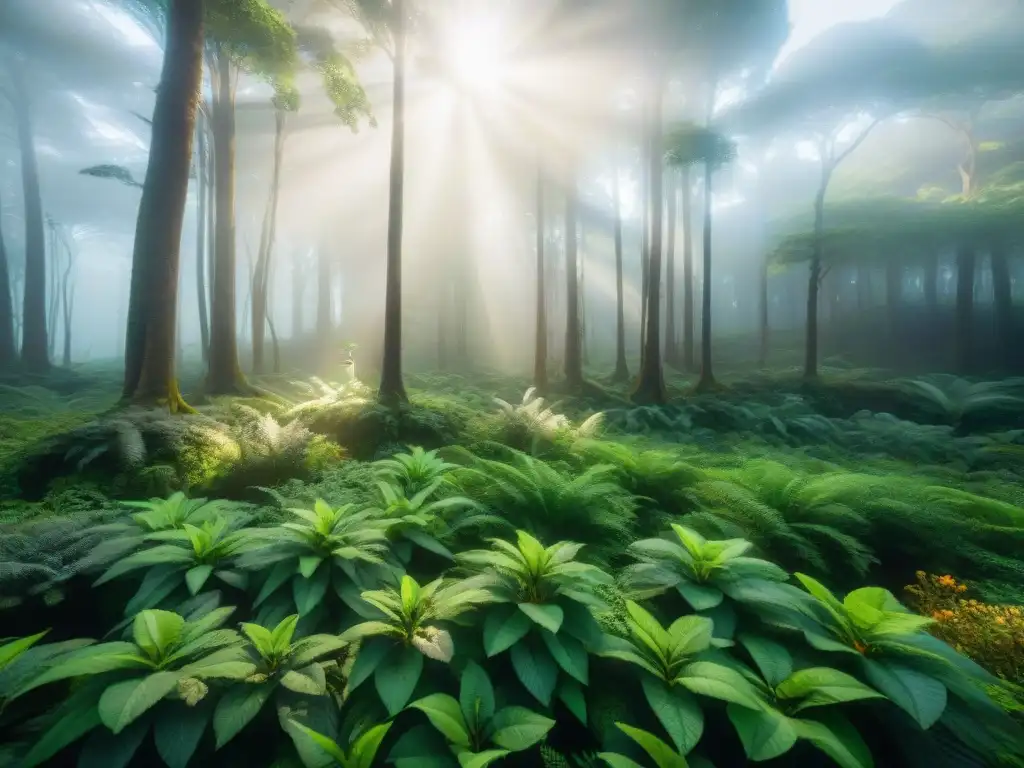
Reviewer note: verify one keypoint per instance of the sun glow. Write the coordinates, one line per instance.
(476, 54)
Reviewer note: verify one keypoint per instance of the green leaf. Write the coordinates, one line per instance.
(480, 759)
(569, 653)
(364, 749)
(581, 624)
(236, 709)
(647, 629)
(678, 712)
(196, 577)
(661, 753)
(396, 679)
(710, 679)
(549, 616)
(518, 728)
(9, 651)
(771, 658)
(476, 696)
(156, 631)
(323, 742)
(124, 702)
(72, 720)
(618, 761)
(828, 644)
(310, 680)
(503, 628)
(308, 593)
(260, 637)
(765, 734)
(177, 733)
(919, 695)
(535, 670)
(689, 635)
(281, 638)
(308, 565)
(104, 749)
(445, 715)
(278, 575)
(700, 596)
(820, 686)
(89, 661)
(571, 694)
(314, 648)
(371, 653)
(836, 738)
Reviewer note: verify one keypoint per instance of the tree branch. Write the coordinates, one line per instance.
(856, 142)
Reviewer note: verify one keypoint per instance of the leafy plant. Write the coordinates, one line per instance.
(414, 471)
(534, 419)
(360, 754)
(956, 398)
(408, 627)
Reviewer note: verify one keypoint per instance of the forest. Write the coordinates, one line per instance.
(527, 383)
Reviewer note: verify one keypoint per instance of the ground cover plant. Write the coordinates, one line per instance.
(474, 602)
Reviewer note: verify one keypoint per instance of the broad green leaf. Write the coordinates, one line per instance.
(314, 648)
(308, 565)
(328, 745)
(618, 761)
(476, 695)
(661, 753)
(571, 694)
(310, 680)
(446, 716)
(104, 749)
(518, 728)
(900, 624)
(581, 624)
(916, 693)
(678, 712)
(700, 596)
(371, 653)
(536, 670)
(719, 682)
(155, 632)
(364, 748)
(549, 616)
(690, 635)
(225, 664)
(836, 738)
(10, 651)
(260, 637)
(503, 628)
(831, 645)
(771, 658)
(124, 702)
(195, 578)
(73, 719)
(569, 653)
(397, 677)
(89, 661)
(824, 597)
(177, 733)
(278, 575)
(308, 593)
(284, 632)
(647, 629)
(820, 686)
(765, 733)
(236, 709)
(480, 759)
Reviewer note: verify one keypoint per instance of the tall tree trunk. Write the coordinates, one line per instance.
(671, 352)
(8, 346)
(893, 293)
(34, 339)
(573, 348)
(162, 211)
(540, 350)
(930, 281)
(864, 291)
(201, 227)
(645, 226)
(707, 376)
(324, 309)
(1002, 295)
(688, 345)
(261, 276)
(814, 280)
(298, 292)
(53, 292)
(225, 374)
(621, 367)
(650, 386)
(392, 388)
(582, 261)
(964, 331)
(67, 305)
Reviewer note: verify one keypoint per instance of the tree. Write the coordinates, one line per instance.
(690, 145)
(621, 373)
(8, 345)
(149, 353)
(540, 351)
(35, 339)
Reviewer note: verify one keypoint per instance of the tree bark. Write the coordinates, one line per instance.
(261, 276)
(671, 352)
(964, 332)
(225, 375)
(298, 291)
(392, 388)
(540, 351)
(707, 376)
(201, 228)
(67, 307)
(34, 340)
(814, 279)
(688, 345)
(645, 226)
(621, 367)
(573, 348)
(8, 345)
(893, 293)
(162, 211)
(650, 387)
(1002, 294)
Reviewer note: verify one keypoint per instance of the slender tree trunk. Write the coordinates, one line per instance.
(324, 310)
(650, 387)
(893, 293)
(814, 280)
(930, 281)
(573, 348)
(298, 292)
(67, 306)
(582, 261)
(707, 376)
(53, 292)
(964, 333)
(201, 226)
(225, 375)
(671, 351)
(688, 345)
(621, 367)
(8, 346)
(34, 341)
(261, 276)
(645, 226)
(540, 351)
(162, 211)
(1002, 294)
(392, 388)
(864, 291)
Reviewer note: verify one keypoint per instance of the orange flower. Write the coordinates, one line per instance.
(947, 581)
(861, 648)
(961, 588)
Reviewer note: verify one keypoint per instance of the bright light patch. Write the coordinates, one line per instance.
(476, 53)
(132, 33)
